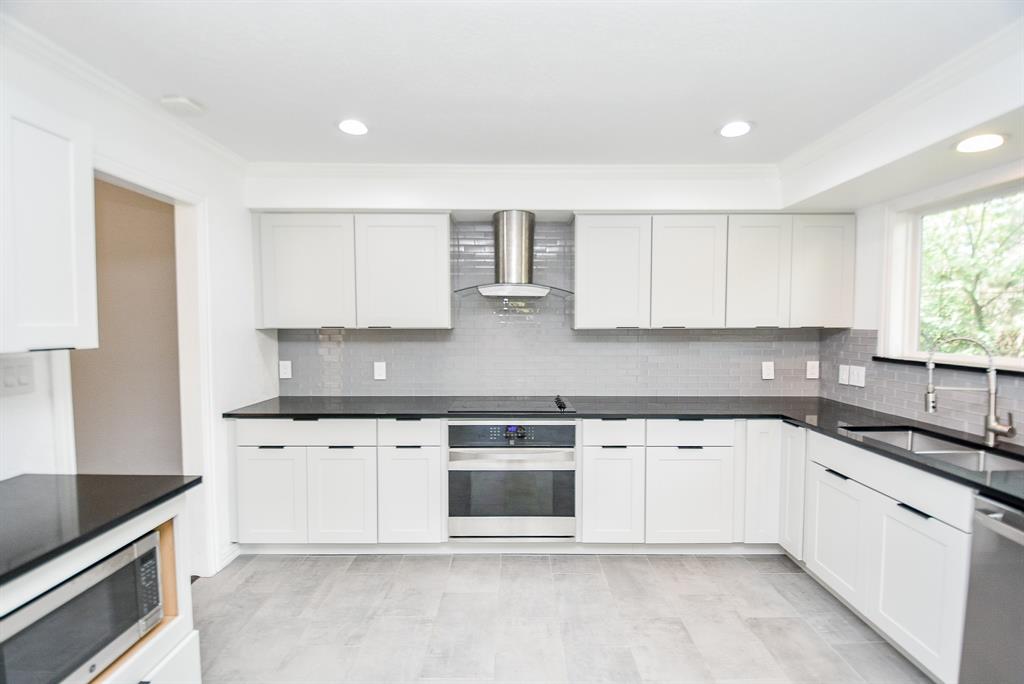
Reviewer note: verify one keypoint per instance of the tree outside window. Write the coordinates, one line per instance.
(972, 277)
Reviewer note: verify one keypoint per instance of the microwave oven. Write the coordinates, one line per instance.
(74, 631)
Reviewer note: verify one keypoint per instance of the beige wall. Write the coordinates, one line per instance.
(126, 393)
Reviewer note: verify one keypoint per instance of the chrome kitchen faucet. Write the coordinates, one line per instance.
(993, 428)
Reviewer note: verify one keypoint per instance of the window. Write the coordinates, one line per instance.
(971, 279)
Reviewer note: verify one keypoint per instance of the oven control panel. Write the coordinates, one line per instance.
(511, 435)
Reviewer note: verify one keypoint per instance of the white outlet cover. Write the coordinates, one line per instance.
(813, 370)
(857, 374)
(284, 370)
(380, 370)
(844, 375)
(767, 370)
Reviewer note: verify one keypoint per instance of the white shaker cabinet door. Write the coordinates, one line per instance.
(308, 270)
(403, 272)
(918, 584)
(613, 272)
(689, 495)
(409, 505)
(342, 494)
(47, 229)
(764, 481)
(688, 266)
(791, 503)
(758, 282)
(613, 494)
(823, 263)
(271, 492)
(837, 539)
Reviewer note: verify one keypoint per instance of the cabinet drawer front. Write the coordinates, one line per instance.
(613, 432)
(324, 432)
(690, 432)
(949, 502)
(424, 432)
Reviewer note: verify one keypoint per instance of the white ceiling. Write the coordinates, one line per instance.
(518, 82)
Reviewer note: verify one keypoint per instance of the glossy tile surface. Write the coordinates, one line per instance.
(532, 618)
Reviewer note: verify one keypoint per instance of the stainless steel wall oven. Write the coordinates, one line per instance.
(515, 479)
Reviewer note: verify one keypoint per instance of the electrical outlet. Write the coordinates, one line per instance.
(284, 370)
(844, 375)
(767, 370)
(813, 370)
(857, 374)
(380, 370)
(18, 375)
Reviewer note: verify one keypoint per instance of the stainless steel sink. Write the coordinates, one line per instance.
(940, 449)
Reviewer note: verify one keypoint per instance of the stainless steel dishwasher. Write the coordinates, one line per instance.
(993, 650)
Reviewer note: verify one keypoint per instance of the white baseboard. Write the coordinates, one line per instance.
(491, 546)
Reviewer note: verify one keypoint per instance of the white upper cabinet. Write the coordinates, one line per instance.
(823, 263)
(308, 270)
(613, 272)
(403, 272)
(688, 266)
(47, 229)
(758, 283)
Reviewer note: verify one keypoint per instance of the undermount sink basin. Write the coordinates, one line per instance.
(940, 449)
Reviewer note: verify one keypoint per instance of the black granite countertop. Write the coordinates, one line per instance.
(43, 516)
(821, 415)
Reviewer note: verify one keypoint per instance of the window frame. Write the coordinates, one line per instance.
(903, 308)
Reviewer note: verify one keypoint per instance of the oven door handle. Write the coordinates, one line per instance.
(511, 459)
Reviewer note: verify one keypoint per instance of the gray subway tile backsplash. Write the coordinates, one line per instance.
(495, 349)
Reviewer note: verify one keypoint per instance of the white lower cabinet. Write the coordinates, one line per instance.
(613, 494)
(689, 495)
(181, 666)
(271, 494)
(764, 481)
(791, 495)
(837, 541)
(342, 490)
(918, 583)
(409, 490)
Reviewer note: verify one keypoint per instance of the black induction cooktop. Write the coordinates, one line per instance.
(512, 406)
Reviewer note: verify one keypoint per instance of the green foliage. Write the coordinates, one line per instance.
(972, 276)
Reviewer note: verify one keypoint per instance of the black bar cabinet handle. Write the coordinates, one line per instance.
(916, 511)
(837, 474)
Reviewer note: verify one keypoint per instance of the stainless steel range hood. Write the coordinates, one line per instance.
(513, 257)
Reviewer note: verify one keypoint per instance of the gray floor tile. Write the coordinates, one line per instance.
(803, 655)
(393, 651)
(805, 594)
(729, 648)
(685, 575)
(664, 652)
(474, 574)
(754, 596)
(578, 563)
(463, 638)
(881, 663)
(772, 564)
(375, 565)
(529, 650)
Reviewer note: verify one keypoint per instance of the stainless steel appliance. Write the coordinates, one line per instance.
(75, 630)
(513, 257)
(993, 651)
(514, 479)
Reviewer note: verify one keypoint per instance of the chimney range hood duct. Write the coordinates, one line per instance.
(513, 257)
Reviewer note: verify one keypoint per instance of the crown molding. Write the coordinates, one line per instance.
(516, 171)
(1007, 43)
(17, 36)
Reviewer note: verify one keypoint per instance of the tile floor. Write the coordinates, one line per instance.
(532, 618)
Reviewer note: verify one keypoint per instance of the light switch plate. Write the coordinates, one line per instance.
(284, 370)
(813, 370)
(380, 370)
(857, 374)
(767, 370)
(844, 375)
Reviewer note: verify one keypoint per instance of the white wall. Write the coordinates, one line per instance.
(870, 261)
(137, 142)
(35, 431)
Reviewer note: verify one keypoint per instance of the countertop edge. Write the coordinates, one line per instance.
(60, 550)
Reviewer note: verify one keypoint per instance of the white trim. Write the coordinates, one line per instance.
(503, 546)
(898, 335)
(64, 456)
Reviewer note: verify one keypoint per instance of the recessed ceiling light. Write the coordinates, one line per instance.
(980, 143)
(353, 127)
(734, 129)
